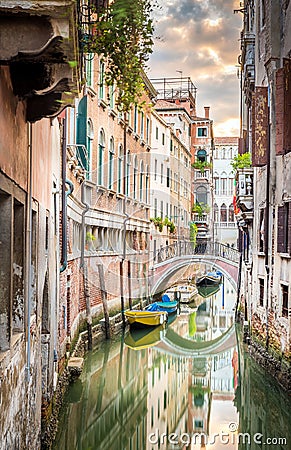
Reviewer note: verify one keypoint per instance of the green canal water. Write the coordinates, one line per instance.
(188, 386)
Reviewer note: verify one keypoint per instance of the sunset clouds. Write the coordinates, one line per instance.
(201, 39)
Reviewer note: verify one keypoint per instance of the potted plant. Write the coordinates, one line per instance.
(200, 209)
(241, 161)
(201, 165)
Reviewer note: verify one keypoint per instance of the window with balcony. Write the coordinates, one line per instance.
(223, 213)
(201, 155)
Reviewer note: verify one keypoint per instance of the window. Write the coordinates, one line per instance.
(141, 177)
(223, 213)
(162, 209)
(261, 291)
(216, 217)
(216, 186)
(284, 290)
(156, 169)
(135, 119)
(162, 173)
(89, 68)
(135, 171)
(90, 137)
(157, 133)
(201, 155)
(163, 139)
(127, 175)
(142, 125)
(155, 207)
(120, 169)
(230, 213)
(147, 129)
(111, 164)
(168, 177)
(262, 231)
(223, 184)
(201, 132)
(101, 157)
(147, 184)
(201, 195)
(101, 80)
(284, 229)
(111, 96)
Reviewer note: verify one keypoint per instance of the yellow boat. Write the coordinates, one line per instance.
(146, 318)
(140, 339)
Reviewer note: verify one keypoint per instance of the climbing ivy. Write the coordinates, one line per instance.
(123, 35)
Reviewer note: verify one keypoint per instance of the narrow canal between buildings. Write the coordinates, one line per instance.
(189, 385)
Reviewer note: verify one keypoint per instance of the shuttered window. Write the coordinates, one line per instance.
(284, 229)
(284, 300)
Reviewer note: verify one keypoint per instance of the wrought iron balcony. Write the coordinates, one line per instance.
(244, 192)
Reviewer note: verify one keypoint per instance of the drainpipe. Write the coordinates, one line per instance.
(29, 250)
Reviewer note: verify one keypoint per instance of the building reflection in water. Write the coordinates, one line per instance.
(187, 383)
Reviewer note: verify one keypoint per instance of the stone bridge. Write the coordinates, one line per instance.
(172, 262)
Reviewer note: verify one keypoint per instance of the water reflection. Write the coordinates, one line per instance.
(182, 380)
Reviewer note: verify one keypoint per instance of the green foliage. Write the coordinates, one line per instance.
(193, 233)
(90, 237)
(200, 209)
(123, 35)
(241, 161)
(201, 165)
(160, 223)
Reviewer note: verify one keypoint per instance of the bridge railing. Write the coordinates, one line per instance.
(186, 248)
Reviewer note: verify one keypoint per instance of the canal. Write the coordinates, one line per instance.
(189, 385)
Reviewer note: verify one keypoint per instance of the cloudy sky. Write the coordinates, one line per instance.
(201, 39)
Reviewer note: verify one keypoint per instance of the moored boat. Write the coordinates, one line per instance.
(146, 318)
(169, 307)
(209, 279)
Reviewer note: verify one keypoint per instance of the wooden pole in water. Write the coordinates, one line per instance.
(104, 300)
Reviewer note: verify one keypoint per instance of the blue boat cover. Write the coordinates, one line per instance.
(165, 298)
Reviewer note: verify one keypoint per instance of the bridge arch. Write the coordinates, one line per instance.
(170, 260)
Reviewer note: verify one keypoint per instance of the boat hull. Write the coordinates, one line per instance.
(146, 318)
(209, 279)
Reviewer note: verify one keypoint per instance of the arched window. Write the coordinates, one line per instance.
(90, 137)
(223, 213)
(216, 215)
(216, 183)
(135, 170)
(101, 148)
(127, 175)
(111, 164)
(201, 195)
(230, 213)
(141, 179)
(201, 155)
(120, 169)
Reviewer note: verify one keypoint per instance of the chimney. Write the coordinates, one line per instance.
(206, 109)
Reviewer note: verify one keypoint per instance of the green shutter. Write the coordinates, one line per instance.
(82, 132)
